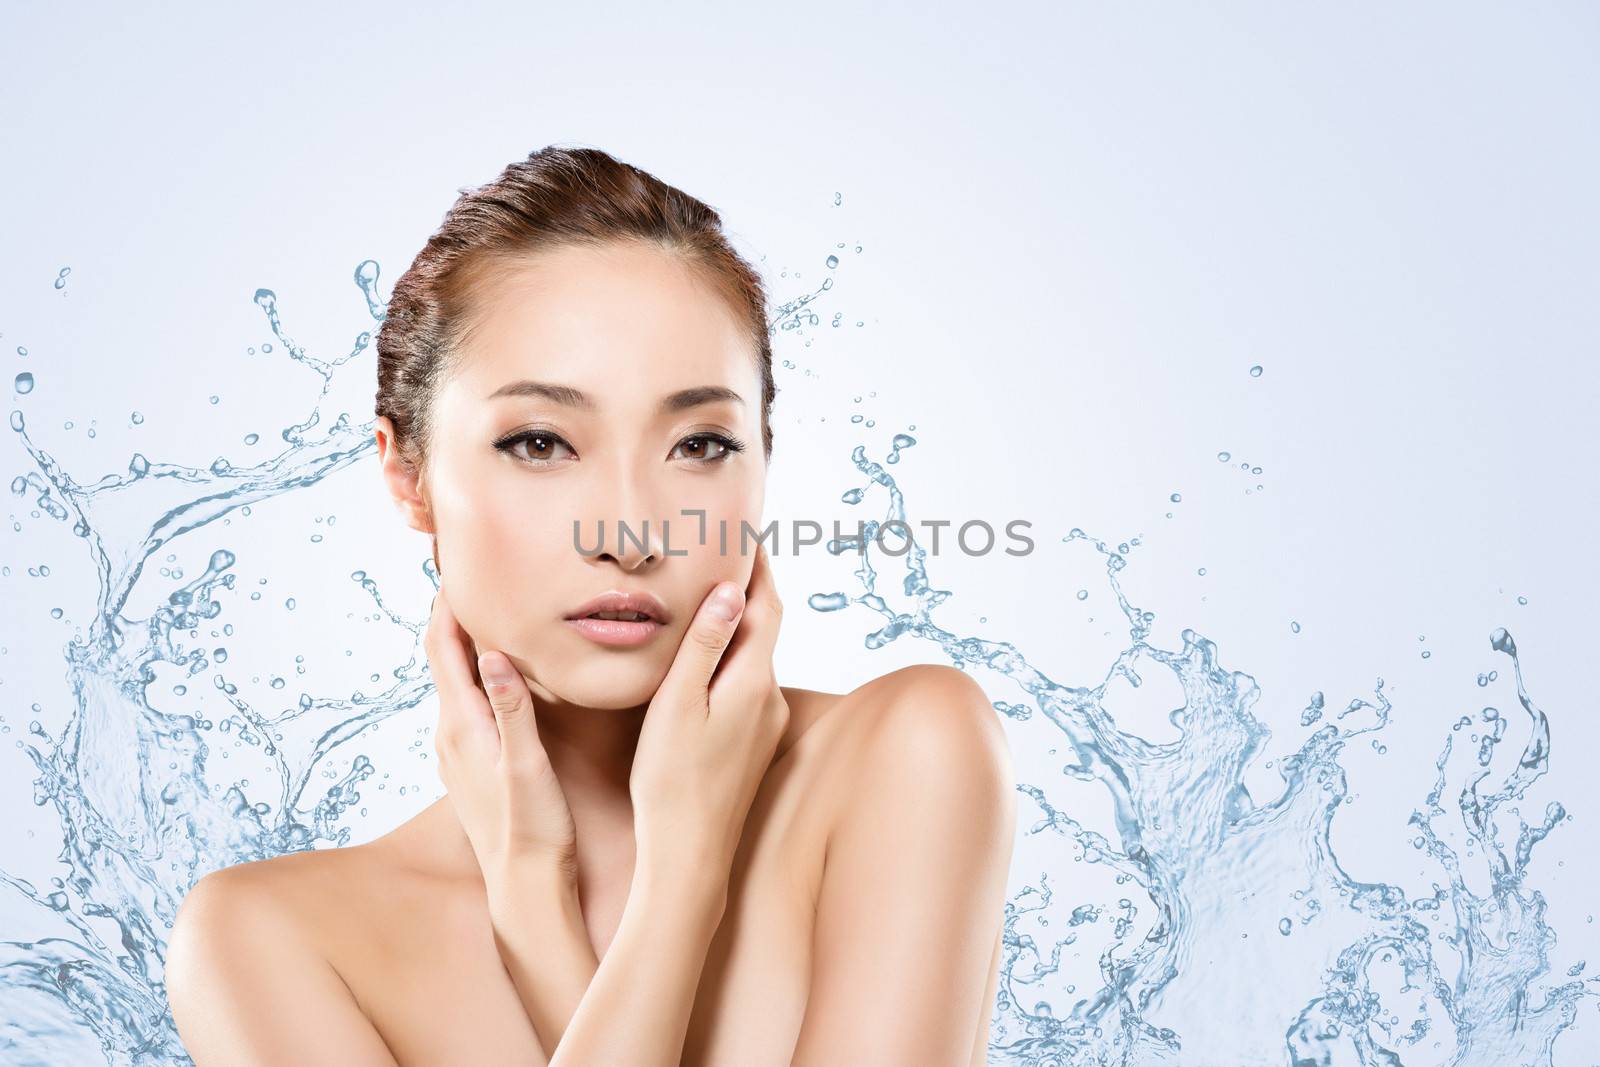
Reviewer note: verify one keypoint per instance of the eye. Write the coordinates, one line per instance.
(704, 449)
(699, 444)
(538, 440)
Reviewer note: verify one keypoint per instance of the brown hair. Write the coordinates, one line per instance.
(556, 197)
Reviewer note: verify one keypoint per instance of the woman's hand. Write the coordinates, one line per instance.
(707, 741)
(490, 759)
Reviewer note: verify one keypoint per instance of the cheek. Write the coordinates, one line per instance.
(491, 524)
(499, 555)
(484, 511)
(732, 528)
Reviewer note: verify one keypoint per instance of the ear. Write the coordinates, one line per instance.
(402, 480)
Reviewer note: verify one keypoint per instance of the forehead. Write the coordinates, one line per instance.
(617, 321)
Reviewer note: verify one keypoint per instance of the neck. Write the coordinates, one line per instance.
(591, 751)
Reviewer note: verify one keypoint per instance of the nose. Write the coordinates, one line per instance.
(629, 531)
(629, 544)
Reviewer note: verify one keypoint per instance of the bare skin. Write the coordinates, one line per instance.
(404, 922)
(854, 918)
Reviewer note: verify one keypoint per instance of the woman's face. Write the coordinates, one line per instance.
(621, 330)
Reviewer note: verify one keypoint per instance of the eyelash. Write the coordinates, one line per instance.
(731, 446)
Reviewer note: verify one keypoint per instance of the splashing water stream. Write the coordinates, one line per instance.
(1258, 947)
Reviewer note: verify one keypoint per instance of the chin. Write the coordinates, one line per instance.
(605, 681)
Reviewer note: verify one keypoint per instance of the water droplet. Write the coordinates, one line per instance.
(827, 601)
(23, 383)
(1255, 372)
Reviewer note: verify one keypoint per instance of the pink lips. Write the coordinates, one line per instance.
(621, 632)
(616, 632)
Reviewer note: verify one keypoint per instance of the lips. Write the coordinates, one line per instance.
(624, 604)
(617, 633)
(635, 619)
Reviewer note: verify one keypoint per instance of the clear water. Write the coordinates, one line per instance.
(1231, 933)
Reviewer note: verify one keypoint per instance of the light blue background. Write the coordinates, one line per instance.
(1080, 226)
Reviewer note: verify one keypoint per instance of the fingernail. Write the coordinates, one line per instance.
(495, 669)
(727, 601)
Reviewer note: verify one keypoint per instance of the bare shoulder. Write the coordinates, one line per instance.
(946, 690)
(935, 731)
(270, 905)
(916, 855)
(926, 703)
(221, 896)
(933, 684)
(242, 957)
(926, 719)
(296, 886)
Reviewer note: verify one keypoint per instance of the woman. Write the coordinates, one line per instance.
(648, 852)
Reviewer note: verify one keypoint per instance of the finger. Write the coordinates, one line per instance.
(513, 710)
(758, 628)
(704, 642)
(748, 671)
(764, 587)
(465, 716)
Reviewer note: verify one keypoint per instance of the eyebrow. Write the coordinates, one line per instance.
(566, 395)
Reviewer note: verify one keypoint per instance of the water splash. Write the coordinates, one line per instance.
(139, 821)
(1208, 979)
(1227, 931)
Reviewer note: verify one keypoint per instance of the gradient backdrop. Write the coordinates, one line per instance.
(1065, 234)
